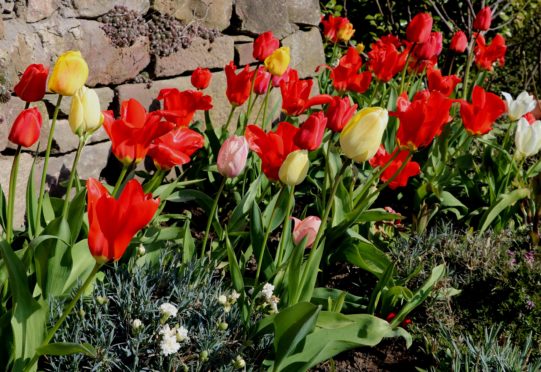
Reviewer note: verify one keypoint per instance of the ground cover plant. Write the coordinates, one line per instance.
(280, 242)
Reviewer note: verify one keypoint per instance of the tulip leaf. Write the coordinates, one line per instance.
(67, 348)
(76, 213)
(257, 237)
(351, 303)
(234, 268)
(31, 202)
(365, 255)
(276, 209)
(244, 207)
(504, 201)
(83, 263)
(188, 244)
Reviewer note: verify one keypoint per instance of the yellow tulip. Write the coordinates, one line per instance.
(360, 47)
(69, 74)
(85, 116)
(361, 137)
(295, 168)
(278, 61)
(345, 32)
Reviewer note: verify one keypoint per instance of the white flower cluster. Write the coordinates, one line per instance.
(268, 294)
(228, 301)
(171, 337)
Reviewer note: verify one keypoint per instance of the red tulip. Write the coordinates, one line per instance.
(112, 222)
(422, 119)
(419, 28)
(31, 87)
(333, 25)
(346, 75)
(385, 59)
(272, 147)
(459, 42)
(483, 19)
(310, 133)
(180, 107)
(411, 169)
(530, 117)
(262, 81)
(431, 48)
(296, 93)
(479, 115)
(26, 128)
(339, 111)
(277, 80)
(487, 55)
(238, 86)
(175, 148)
(132, 134)
(444, 84)
(201, 78)
(264, 45)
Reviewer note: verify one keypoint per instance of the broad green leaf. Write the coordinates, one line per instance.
(238, 217)
(76, 213)
(504, 201)
(83, 263)
(67, 348)
(385, 281)
(234, 269)
(365, 255)
(351, 304)
(276, 209)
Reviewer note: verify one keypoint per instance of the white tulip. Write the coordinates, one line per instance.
(528, 138)
(521, 106)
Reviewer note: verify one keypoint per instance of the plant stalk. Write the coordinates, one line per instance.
(211, 215)
(120, 179)
(11, 200)
(72, 175)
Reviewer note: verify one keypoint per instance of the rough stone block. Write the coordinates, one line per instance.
(258, 16)
(36, 10)
(244, 54)
(211, 13)
(95, 8)
(304, 12)
(306, 51)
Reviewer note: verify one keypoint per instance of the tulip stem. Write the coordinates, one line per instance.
(72, 175)
(155, 181)
(265, 105)
(230, 116)
(121, 177)
(468, 67)
(211, 215)
(65, 314)
(249, 110)
(11, 200)
(403, 76)
(46, 164)
(286, 227)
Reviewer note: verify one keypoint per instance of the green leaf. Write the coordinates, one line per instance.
(67, 348)
(31, 202)
(83, 263)
(76, 213)
(384, 281)
(365, 255)
(234, 268)
(504, 201)
(351, 304)
(276, 209)
(238, 217)
(188, 244)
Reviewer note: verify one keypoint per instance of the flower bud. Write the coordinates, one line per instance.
(223, 326)
(136, 324)
(31, 87)
(278, 62)
(239, 363)
(459, 42)
(26, 128)
(419, 28)
(295, 168)
(204, 356)
(201, 78)
(430, 48)
(69, 74)
(306, 228)
(141, 250)
(264, 45)
(339, 112)
(232, 156)
(310, 133)
(361, 137)
(102, 300)
(483, 19)
(262, 80)
(85, 116)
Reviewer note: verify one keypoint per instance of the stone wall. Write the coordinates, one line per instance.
(37, 31)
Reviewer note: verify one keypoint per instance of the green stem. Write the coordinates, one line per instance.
(155, 181)
(265, 105)
(211, 216)
(72, 175)
(11, 201)
(249, 110)
(286, 227)
(121, 177)
(230, 116)
(45, 165)
(403, 76)
(65, 314)
(374, 92)
(468, 67)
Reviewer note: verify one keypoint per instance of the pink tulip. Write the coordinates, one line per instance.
(232, 156)
(262, 80)
(307, 227)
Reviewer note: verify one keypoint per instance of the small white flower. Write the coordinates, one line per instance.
(222, 299)
(169, 344)
(521, 106)
(267, 291)
(234, 296)
(273, 302)
(168, 309)
(141, 250)
(136, 324)
(239, 362)
(182, 334)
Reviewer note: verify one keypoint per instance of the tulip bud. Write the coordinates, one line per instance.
(345, 32)
(85, 116)
(418, 30)
(278, 61)
(201, 78)
(339, 112)
(232, 156)
(31, 87)
(361, 137)
(262, 80)
(264, 45)
(294, 168)
(69, 74)
(431, 47)
(459, 42)
(524, 104)
(26, 128)
(306, 228)
(483, 19)
(310, 134)
(527, 138)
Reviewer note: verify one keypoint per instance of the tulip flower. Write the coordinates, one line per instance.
(422, 119)
(294, 168)
(69, 74)
(31, 86)
(479, 116)
(201, 78)
(411, 169)
(278, 62)
(85, 116)
(337, 29)
(444, 84)
(311, 132)
(385, 59)
(419, 28)
(112, 222)
(238, 86)
(345, 32)
(26, 128)
(459, 42)
(483, 19)
(488, 54)
(431, 48)
(272, 147)
(264, 45)
(296, 93)
(516, 109)
(180, 107)
(361, 137)
(346, 75)
(175, 148)
(232, 156)
(339, 111)
(277, 80)
(306, 228)
(262, 80)
(132, 134)
(527, 138)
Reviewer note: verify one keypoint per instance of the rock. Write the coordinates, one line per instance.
(36, 10)
(201, 53)
(211, 13)
(1, 28)
(306, 51)
(304, 12)
(258, 16)
(244, 54)
(64, 137)
(95, 8)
